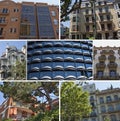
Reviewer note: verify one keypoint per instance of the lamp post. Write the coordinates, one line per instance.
(94, 16)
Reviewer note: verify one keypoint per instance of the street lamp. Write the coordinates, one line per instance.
(94, 16)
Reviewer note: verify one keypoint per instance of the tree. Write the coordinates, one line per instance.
(18, 71)
(68, 6)
(52, 115)
(31, 92)
(106, 119)
(7, 120)
(74, 102)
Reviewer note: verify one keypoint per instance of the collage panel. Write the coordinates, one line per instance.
(90, 101)
(13, 60)
(59, 60)
(90, 19)
(29, 101)
(106, 60)
(29, 19)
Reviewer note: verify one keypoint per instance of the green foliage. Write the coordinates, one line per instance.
(7, 120)
(24, 92)
(18, 71)
(52, 115)
(107, 119)
(68, 6)
(74, 102)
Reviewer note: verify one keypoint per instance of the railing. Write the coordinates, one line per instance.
(112, 65)
(102, 57)
(100, 65)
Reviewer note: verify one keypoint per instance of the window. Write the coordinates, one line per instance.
(93, 119)
(110, 108)
(4, 10)
(101, 100)
(14, 19)
(87, 19)
(103, 110)
(75, 28)
(91, 98)
(87, 11)
(112, 73)
(74, 19)
(103, 27)
(2, 19)
(55, 22)
(100, 73)
(118, 107)
(116, 97)
(113, 118)
(100, 10)
(87, 28)
(109, 26)
(16, 10)
(99, 3)
(101, 18)
(108, 99)
(12, 30)
(106, 9)
(87, 4)
(53, 13)
(73, 36)
(108, 17)
(118, 13)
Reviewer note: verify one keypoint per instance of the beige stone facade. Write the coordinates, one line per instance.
(106, 63)
(104, 103)
(82, 21)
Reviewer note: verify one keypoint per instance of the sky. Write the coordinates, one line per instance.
(101, 85)
(105, 43)
(18, 44)
(55, 2)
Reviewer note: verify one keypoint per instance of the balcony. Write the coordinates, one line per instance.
(3, 23)
(4, 13)
(111, 57)
(103, 12)
(110, 52)
(106, 76)
(100, 65)
(112, 65)
(102, 58)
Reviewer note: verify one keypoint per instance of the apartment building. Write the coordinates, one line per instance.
(84, 23)
(28, 20)
(52, 60)
(106, 63)
(9, 19)
(9, 58)
(105, 103)
(15, 110)
(108, 102)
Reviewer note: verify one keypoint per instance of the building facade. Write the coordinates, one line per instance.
(59, 60)
(83, 23)
(28, 20)
(9, 59)
(106, 63)
(15, 110)
(105, 103)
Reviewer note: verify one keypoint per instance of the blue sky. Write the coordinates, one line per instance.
(55, 2)
(101, 85)
(18, 44)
